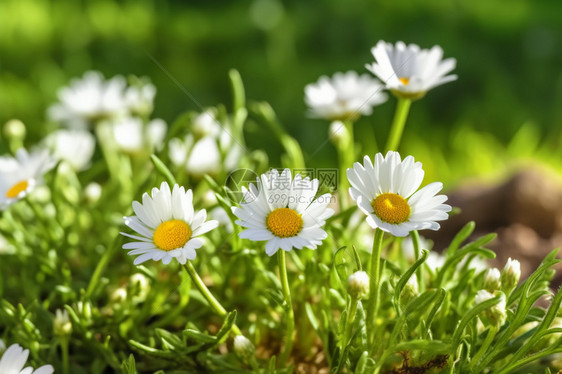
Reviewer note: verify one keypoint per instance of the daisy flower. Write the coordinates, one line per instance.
(131, 135)
(409, 71)
(345, 96)
(20, 175)
(13, 361)
(387, 192)
(89, 99)
(76, 147)
(167, 225)
(283, 212)
(139, 99)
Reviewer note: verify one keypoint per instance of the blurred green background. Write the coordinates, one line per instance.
(508, 61)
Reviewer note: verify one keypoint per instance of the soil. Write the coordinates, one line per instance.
(525, 212)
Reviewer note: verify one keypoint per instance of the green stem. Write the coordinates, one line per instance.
(374, 292)
(100, 268)
(64, 350)
(417, 251)
(213, 302)
(289, 309)
(346, 157)
(350, 318)
(400, 116)
(484, 347)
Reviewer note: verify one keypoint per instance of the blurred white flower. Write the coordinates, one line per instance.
(408, 71)
(13, 361)
(197, 157)
(205, 124)
(492, 280)
(132, 136)
(345, 96)
(76, 147)
(20, 175)
(388, 193)
(139, 99)
(167, 225)
(89, 99)
(219, 214)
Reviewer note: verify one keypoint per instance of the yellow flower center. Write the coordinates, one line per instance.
(391, 208)
(16, 189)
(404, 80)
(171, 235)
(284, 222)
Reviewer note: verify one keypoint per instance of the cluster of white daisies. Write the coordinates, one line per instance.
(405, 70)
(285, 213)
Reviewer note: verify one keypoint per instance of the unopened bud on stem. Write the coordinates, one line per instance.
(358, 284)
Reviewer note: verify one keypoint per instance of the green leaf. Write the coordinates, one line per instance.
(198, 336)
(365, 365)
(129, 366)
(226, 327)
(311, 317)
(163, 169)
(461, 236)
(407, 275)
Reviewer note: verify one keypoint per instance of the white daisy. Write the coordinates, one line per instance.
(76, 147)
(197, 157)
(89, 99)
(139, 99)
(13, 361)
(345, 96)
(132, 136)
(409, 71)
(167, 225)
(283, 212)
(20, 175)
(387, 192)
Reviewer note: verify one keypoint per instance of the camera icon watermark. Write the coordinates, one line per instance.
(281, 185)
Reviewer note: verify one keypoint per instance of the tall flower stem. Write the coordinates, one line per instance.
(213, 302)
(375, 284)
(400, 116)
(289, 309)
(64, 351)
(346, 157)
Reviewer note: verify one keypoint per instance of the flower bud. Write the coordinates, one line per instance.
(510, 275)
(118, 295)
(338, 133)
(492, 280)
(358, 284)
(139, 287)
(93, 192)
(496, 315)
(14, 129)
(62, 325)
(243, 347)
